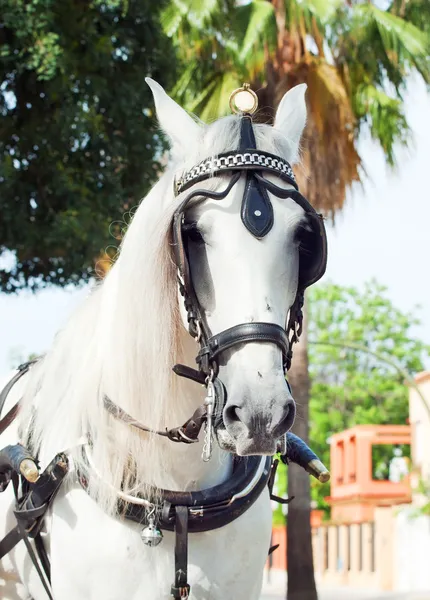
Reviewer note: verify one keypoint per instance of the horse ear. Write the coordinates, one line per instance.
(291, 117)
(176, 123)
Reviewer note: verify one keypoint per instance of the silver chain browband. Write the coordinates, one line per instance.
(233, 161)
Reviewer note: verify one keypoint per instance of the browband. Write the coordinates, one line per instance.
(235, 161)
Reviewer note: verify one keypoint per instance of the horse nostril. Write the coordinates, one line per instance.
(287, 421)
(231, 413)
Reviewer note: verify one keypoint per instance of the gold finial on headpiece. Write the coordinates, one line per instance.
(243, 100)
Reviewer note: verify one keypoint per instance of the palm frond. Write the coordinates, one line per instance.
(171, 18)
(321, 10)
(404, 44)
(257, 19)
(416, 12)
(206, 95)
(217, 98)
(327, 90)
(385, 116)
(331, 158)
(183, 83)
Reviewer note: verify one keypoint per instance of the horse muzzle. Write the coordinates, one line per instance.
(248, 428)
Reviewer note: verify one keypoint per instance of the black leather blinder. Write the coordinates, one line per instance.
(256, 211)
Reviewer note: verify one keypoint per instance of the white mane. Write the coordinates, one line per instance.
(123, 342)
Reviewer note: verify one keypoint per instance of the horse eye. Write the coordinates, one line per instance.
(193, 233)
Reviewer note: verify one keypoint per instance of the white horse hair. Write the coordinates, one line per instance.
(123, 342)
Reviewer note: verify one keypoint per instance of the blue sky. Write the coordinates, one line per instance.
(383, 233)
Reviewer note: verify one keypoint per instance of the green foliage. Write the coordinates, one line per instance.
(372, 50)
(377, 49)
(422, 488)
(350, 387)
(77, 139)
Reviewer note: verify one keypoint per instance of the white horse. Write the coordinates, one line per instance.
(123, 342)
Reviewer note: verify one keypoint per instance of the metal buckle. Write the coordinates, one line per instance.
(199, 331)
(210, 405)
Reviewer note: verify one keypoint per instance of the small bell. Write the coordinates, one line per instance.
(151, 534)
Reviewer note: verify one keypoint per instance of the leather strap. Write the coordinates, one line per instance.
(30, 511)
(35, 561)
(228, 162)
(22, 370)
(188, 433)
(247, 136)
(241, 334)
(9, 418)
(213, 507)
(9, 541)
(43, 555)
(189, 373)
(180, 590)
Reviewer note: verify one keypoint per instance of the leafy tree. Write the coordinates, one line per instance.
(350, 387)
(355, 58)
(77, 141)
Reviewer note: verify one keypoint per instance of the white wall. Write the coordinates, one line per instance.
(420, 425)
(411, 552)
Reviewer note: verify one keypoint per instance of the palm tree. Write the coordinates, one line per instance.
(355, 58)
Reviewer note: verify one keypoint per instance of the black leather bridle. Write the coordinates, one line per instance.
(257, 217)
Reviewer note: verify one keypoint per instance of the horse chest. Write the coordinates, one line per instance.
(95, 556)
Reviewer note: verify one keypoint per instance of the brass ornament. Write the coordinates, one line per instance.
(243, 100)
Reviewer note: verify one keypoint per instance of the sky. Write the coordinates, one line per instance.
(382, 233)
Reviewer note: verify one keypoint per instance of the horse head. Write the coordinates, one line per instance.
(246, 244)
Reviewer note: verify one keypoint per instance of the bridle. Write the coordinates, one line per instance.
(257, 217)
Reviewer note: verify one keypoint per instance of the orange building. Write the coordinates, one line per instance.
(354, 492)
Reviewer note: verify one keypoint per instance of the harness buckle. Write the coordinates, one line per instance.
(180, 593)
(198, 330)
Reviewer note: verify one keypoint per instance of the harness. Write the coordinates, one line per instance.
(181, 512)
(189, 512)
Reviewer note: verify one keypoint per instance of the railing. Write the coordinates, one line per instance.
(343, 554)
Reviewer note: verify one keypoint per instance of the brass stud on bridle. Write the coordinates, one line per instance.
(243, 100)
